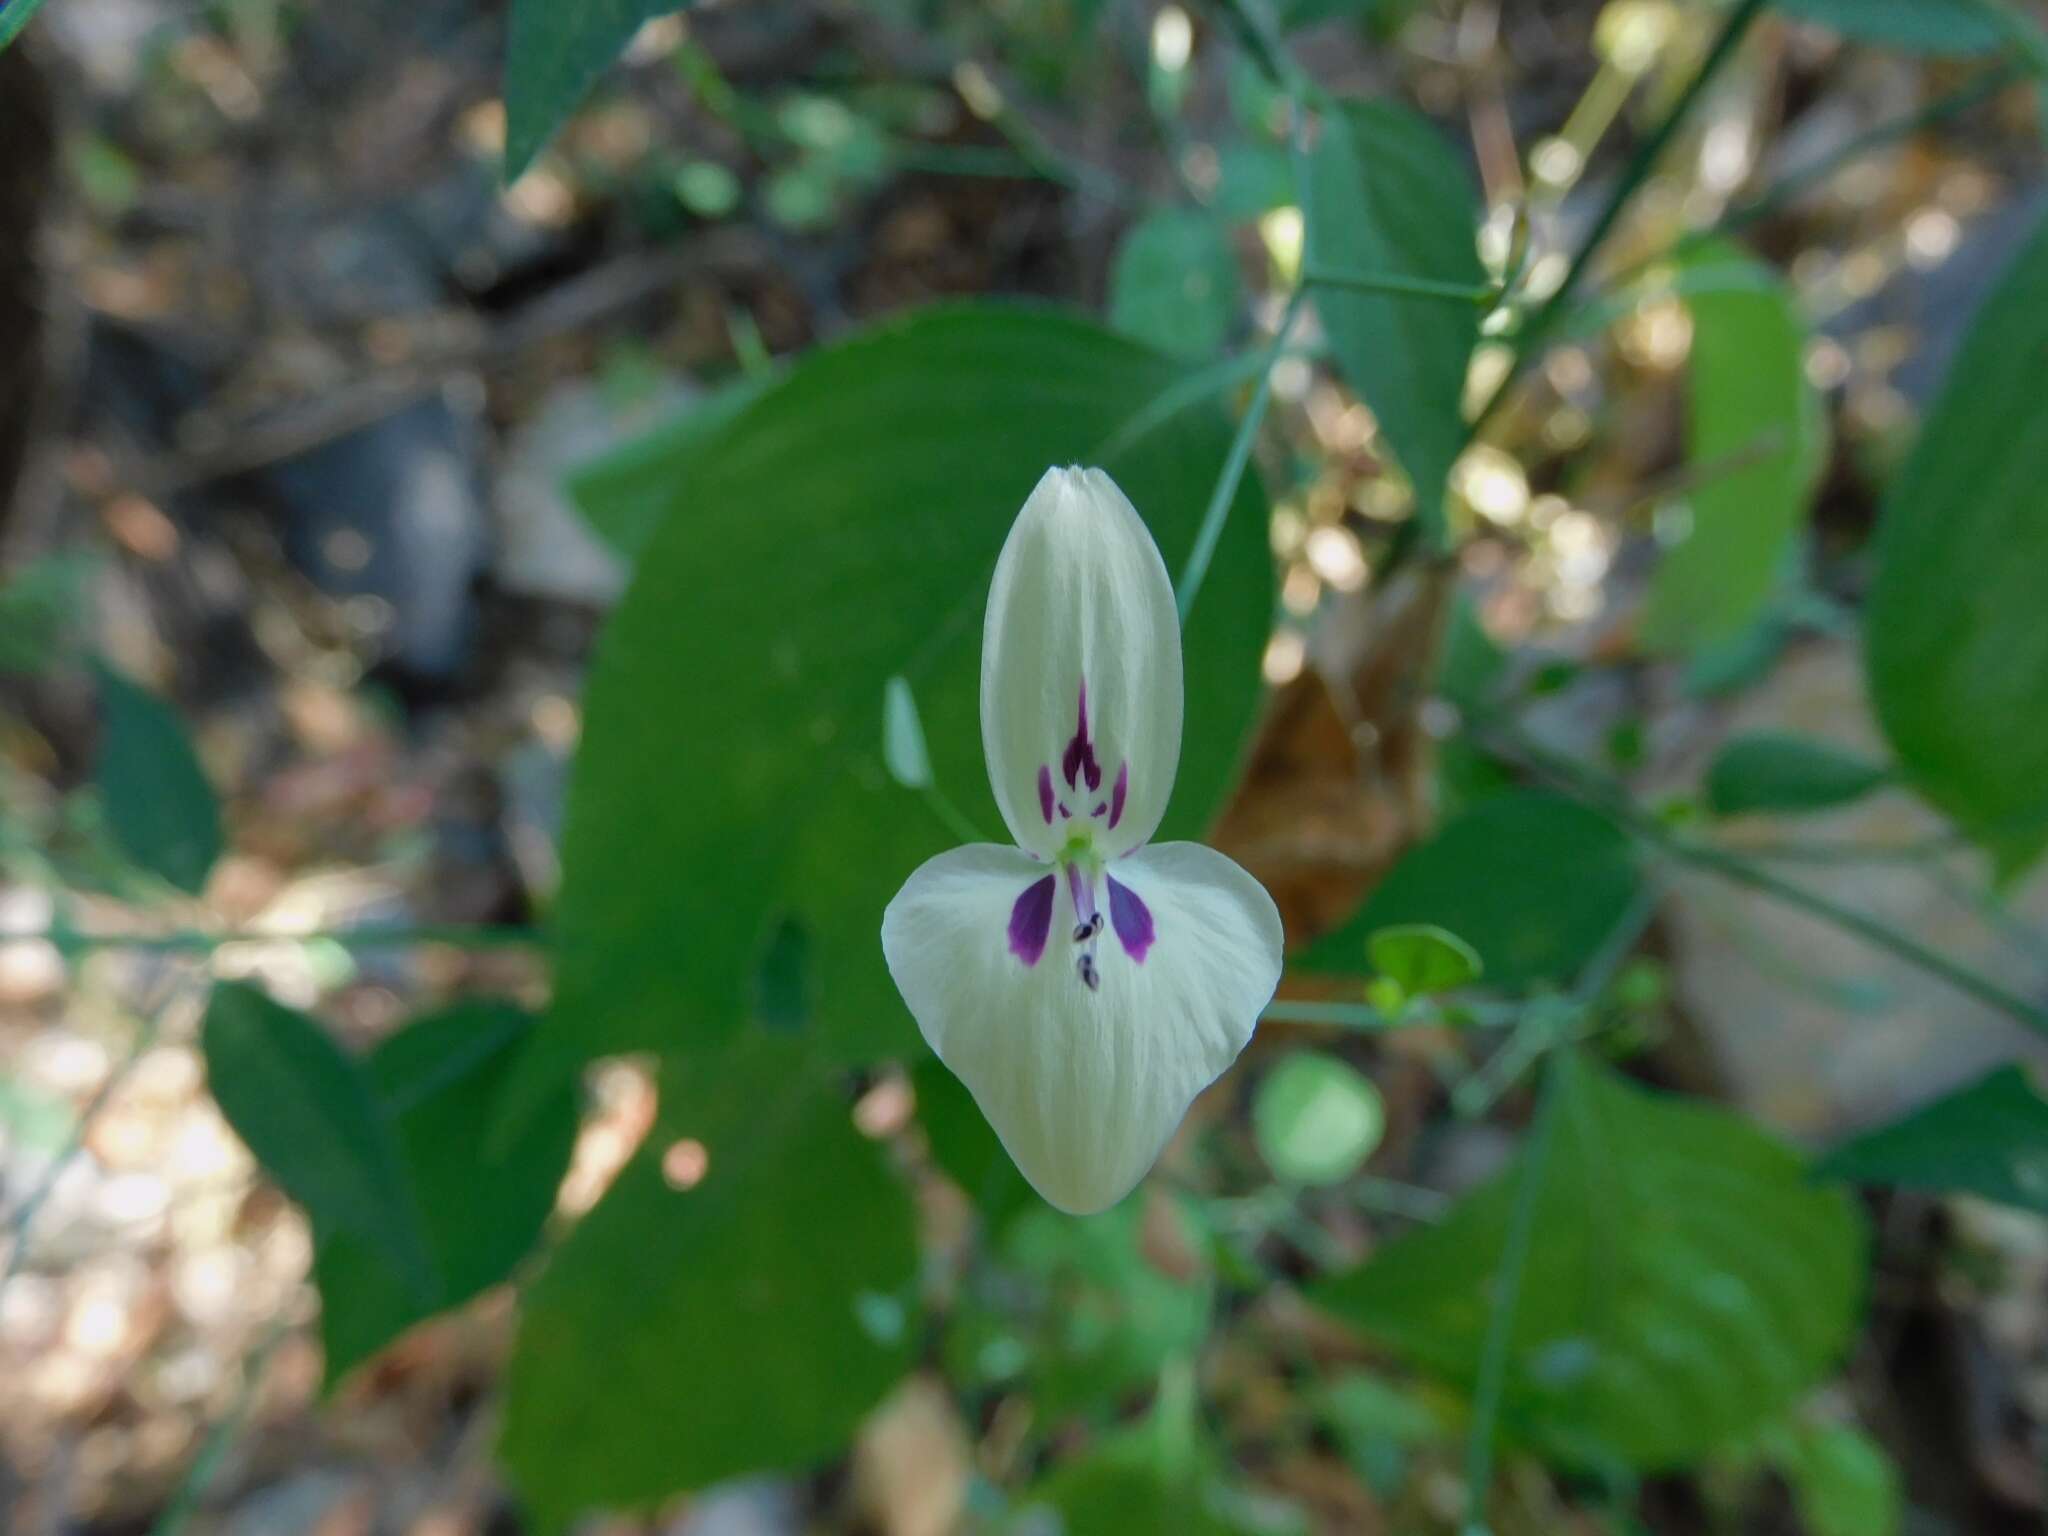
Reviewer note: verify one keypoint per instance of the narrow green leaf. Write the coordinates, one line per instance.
(731, 774)
(1388, 196)
(1920, 26)
(1784, 773)
(744, 1324)
(1535, 883)
(311, 1117)
(1686, 1283)
(1756, 438)
(903, 748)
(1955, 636)
(1316, 1119)
(1175, 283)
(159, 807)
(1422, 959)
(437, 1081)
(1989, 1139)
(555, 51)
(15, 16)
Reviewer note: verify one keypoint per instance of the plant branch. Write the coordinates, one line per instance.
(1638, 170)
(1483, 294)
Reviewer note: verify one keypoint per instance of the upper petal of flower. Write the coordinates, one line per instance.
(1081, 670)
(1084, 1041)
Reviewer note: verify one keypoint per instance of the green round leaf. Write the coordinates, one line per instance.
(159, 807)
(1423, 959)
(1317, 1119)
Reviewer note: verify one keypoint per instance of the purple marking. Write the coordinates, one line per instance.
(1065, 814)
(1045, 793)
(1079, 758)
(1116, 796)
(1082, 889)
(1031, 920)
(1098, 810)
(1132, 920)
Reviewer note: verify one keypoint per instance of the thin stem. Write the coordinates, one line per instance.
(1500, 1326)
(200, 1474)
(1638, 170)
(1186, 392)
(1409, 287)
(1218, 512)
(1605, 795)
(950, 815)
(1346, 1015)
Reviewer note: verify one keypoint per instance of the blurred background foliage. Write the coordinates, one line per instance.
(496, 503)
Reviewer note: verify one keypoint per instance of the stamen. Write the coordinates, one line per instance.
(1086, 967)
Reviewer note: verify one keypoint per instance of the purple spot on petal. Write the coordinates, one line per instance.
(1098, 810)
(1031, 920)
(1132, 920)
(1065, 814)
(1116, 796)
(1079, 758)
(1045, 793)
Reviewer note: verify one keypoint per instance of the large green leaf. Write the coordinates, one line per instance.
(1782, 773)
(311, 1117)
(1686, 1283)
(1388, 197)
(1988, 1139)
(1175, 283)
(1756, 437)
(438, 1081)
(555, 50)
(683, 1336)
(840, 533)
(1956, 637)
(159, 807)
(1534, 882)
(1924, 26)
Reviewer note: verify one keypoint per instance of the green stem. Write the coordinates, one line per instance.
(1409, 287)
(1507, 1285)
(1346, 1015)
(192, 942)
(1638, 170)
(1218, 512)
(1611, 798)
(199, 1476)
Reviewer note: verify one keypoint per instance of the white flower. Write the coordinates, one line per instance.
(1085, 987)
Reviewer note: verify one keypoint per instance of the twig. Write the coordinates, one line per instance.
(1647, 154)
(1409, 287)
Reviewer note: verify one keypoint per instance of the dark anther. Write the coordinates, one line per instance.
(1083, 932)
(1087, 970)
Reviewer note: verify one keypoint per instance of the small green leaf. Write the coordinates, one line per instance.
(1534, 883)
(1316, 1119)
(1756, 438)
(311, 1117)
(681, 1336)
(39, 603)
(437, 1081)
(1783, 773)
(1954, 635)
(555, 51)
(1686, 1284)
(159, 806)
(1423, 959)
(903, 748)
(1989, 1139)
(1175, 283)
(1388, 197)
